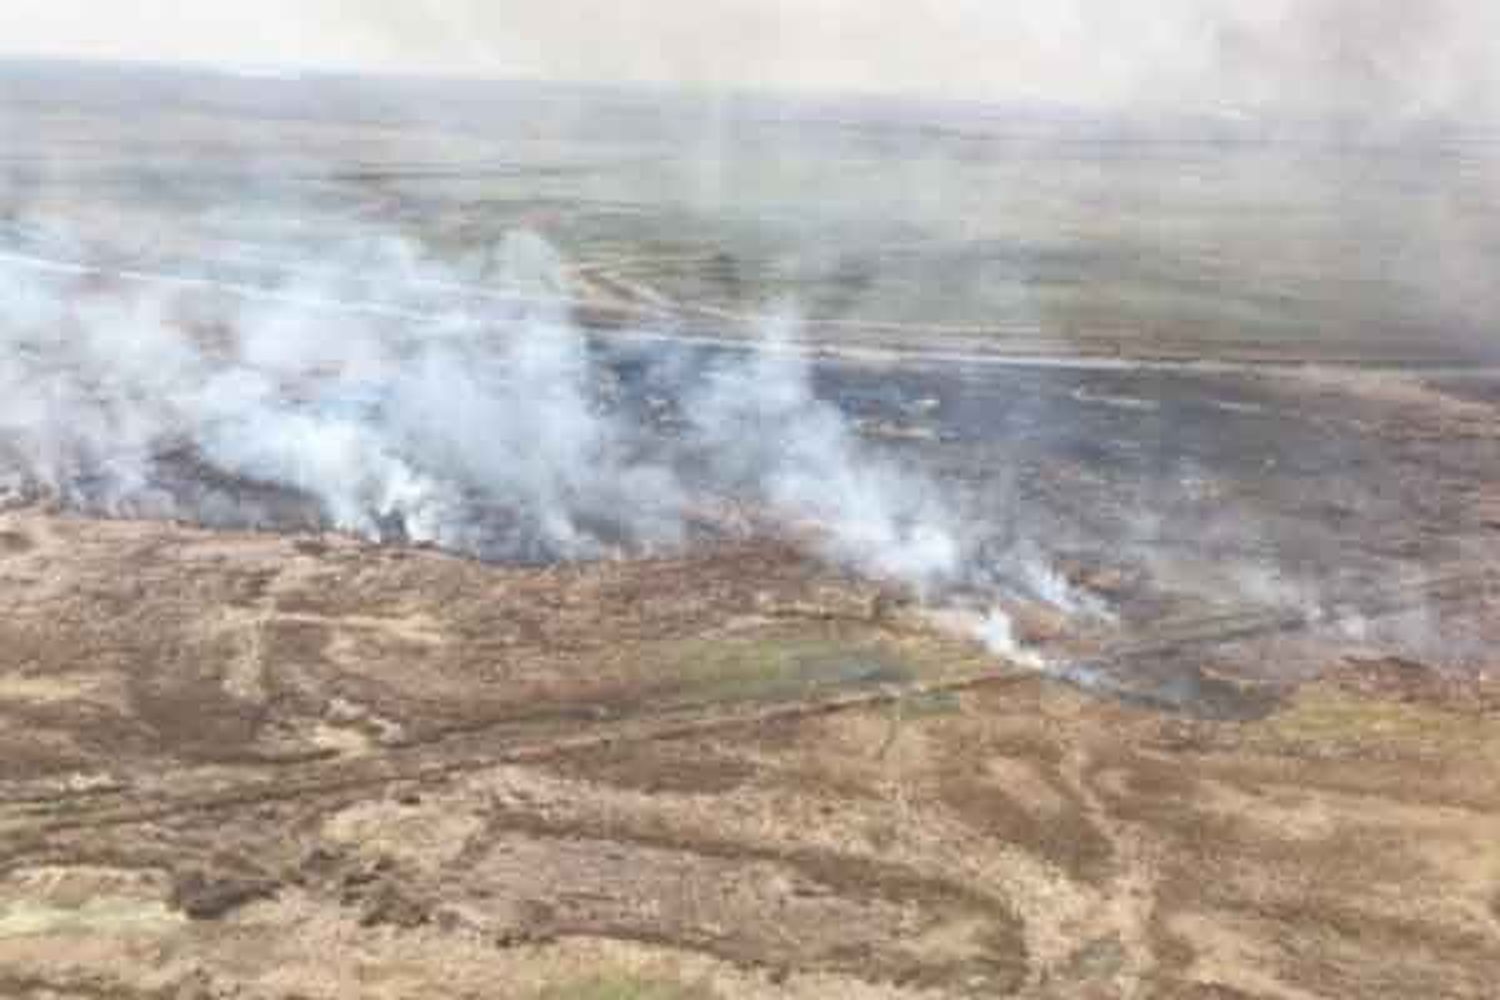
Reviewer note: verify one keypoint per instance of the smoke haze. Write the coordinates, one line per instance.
(495, 431)
(1360, 57)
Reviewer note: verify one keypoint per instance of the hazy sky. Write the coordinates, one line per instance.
(1381, 56)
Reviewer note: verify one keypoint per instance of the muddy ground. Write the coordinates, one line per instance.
(240, 765)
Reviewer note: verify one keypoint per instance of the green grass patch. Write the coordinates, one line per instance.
(931, 704)
(1333, 719)
(777, 669)
(625, 986)
(95, 916)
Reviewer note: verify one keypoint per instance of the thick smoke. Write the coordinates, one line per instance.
(768, 435)
(495, 431)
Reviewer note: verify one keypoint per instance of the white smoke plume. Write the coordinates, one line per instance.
(997, 632)
(769, 435)
(491, 432)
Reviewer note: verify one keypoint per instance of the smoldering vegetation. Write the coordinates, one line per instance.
(352, 396)
(494, 433)
(325, 304)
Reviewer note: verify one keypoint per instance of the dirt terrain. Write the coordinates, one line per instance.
(241, 765)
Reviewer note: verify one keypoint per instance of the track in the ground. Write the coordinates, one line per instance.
(28, 822)
(639, 315)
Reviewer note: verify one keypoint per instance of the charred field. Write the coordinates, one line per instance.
(422, 576)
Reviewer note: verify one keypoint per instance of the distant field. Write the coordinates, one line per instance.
(923, 225)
